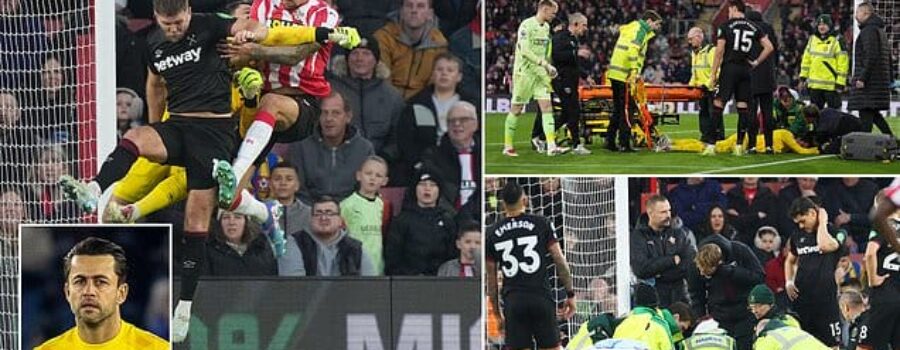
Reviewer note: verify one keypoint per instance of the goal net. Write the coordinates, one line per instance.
(9, 282)
(53, 85)
(583, 211)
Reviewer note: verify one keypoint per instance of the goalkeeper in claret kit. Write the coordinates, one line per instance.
(196, 90)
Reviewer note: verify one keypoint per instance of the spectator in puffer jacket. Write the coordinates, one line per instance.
(236, 248)
(409, 42)
(692, 199)
(422, 237)
(376, 105)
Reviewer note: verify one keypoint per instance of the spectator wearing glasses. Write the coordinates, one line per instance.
(327, 250)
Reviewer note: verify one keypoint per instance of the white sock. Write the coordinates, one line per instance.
(95, 188)
(183, 307)
(258, 136)
(252, 207)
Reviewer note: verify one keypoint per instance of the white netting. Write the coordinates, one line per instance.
(583, 211)
(589, 216)
(47, 102)
(9, 282)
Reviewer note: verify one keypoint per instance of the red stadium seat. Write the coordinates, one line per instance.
(394, 195)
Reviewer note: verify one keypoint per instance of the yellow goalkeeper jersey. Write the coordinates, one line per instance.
(129, 337)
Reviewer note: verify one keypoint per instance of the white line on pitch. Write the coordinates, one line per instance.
(797, 160)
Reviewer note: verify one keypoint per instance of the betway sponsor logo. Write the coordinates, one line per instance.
(809, 250)
(192, 55)
(514, 225)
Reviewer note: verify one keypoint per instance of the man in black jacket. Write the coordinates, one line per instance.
(569, 65)
(725, 273)
(424, 120)
(458, 160)
(870, 92)
(660, 254)
(830, 126)
(751, 206)
(763, 86)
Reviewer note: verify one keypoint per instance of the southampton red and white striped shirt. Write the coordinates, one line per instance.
(309, 74)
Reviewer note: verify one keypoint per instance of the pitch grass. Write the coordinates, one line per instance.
(648, 162)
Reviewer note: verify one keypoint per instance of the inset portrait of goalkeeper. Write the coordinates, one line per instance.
(106, 275)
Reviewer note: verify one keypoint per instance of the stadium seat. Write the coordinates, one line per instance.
(394, 195)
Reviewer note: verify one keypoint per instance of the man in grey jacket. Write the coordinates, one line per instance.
(329, 158)
(285, 183)
(365, 82)
(327, 249)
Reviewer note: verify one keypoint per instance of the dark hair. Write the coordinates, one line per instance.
(251, 229)
(511, 192)
(170, 7)
(468, 226)
(801, 205)
(231, 6)
(324, 199)
(651, 15)
(683, 311)
(707, 223)
(810, 112)
(287, 165)
(739, 4)
(94, 246)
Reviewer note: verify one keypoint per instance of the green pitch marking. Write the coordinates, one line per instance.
(649, 162)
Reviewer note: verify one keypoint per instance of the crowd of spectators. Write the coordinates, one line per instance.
(434, 181)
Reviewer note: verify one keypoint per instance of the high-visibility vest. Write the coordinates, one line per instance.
(709, 342)
(825, 63)
(788, 338)
(629, 53)
(701, 66)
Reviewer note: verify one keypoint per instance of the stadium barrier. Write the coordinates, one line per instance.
(335, 313)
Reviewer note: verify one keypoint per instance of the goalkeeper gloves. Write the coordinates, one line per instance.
(249, 82)
(346, 37)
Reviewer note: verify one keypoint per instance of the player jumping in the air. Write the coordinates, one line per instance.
(519, 245)
(737, 38)
(187, 75)
(295, 84)
(532, 74)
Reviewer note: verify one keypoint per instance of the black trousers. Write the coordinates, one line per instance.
(711, 129)
(764, 102)
(872, 116)
(618, 123)
(822, 97)
(570, 106)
